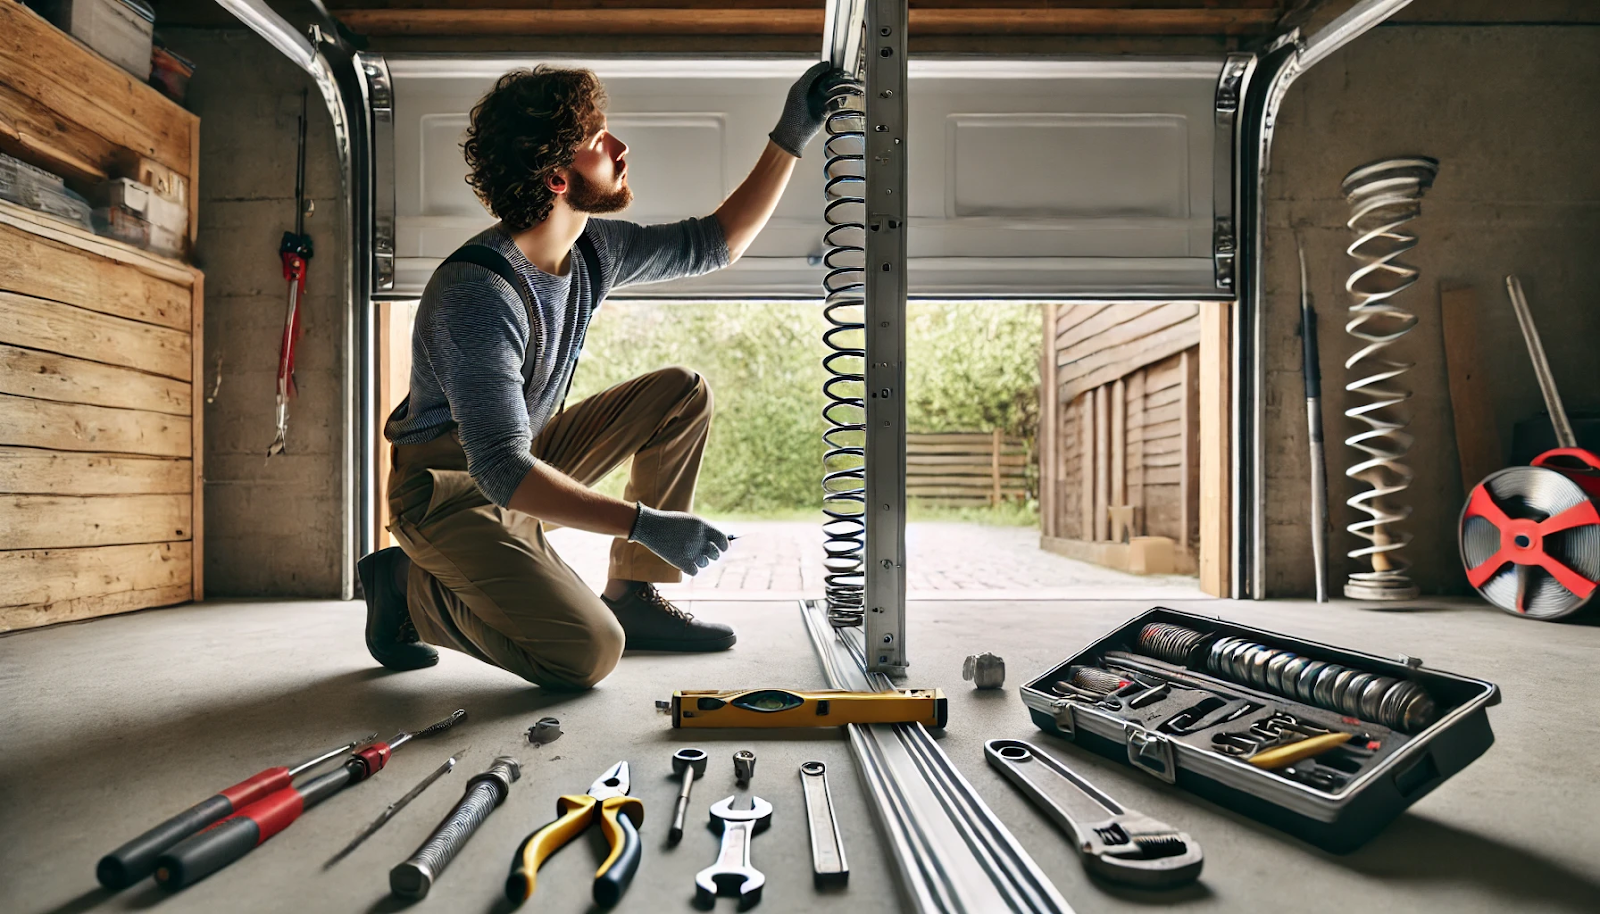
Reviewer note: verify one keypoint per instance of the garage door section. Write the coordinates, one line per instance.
(1028, 179)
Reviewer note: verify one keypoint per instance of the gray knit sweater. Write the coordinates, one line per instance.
(473, 333)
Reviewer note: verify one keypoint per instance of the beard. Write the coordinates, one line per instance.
(585, 196)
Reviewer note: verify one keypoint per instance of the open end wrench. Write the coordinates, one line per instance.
(733, 873)
(1117, 844)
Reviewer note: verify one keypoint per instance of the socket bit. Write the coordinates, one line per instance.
(744, 766)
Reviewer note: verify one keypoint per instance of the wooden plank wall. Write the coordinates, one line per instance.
(802, 17)
(100, 496)
(101, 485)
(1124, 421)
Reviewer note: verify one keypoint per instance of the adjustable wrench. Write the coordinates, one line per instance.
(733, 871)
(1117, 844)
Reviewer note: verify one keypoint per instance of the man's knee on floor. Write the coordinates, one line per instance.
(582, 664)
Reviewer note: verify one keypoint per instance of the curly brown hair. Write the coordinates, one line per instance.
(530, 124)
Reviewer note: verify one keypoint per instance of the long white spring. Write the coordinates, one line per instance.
(1383, 197)
(844, 308)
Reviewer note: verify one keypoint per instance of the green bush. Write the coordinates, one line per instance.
(970, 367)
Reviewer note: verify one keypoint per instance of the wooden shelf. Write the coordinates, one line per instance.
(68, 110)
(46, 226)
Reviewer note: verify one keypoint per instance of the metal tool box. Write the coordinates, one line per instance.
(1337, 801)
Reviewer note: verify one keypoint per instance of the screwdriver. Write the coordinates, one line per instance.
(392, 809)
(199, 856)
(137, 859)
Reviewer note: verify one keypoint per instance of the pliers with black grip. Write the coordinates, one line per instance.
(620, 817)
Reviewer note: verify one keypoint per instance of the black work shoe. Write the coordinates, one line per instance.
(391, 638)
(652, 623)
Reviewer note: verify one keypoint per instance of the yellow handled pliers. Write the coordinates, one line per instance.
(620, 817)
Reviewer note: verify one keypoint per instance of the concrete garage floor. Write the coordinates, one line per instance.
(115, 724)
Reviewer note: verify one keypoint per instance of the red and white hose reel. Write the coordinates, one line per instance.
(1530, 536)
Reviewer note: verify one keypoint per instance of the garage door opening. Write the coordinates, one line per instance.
(1012, 491)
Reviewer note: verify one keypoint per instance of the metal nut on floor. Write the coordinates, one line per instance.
(547, 730)
(984, 671)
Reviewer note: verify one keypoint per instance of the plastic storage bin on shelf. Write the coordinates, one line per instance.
(168, 215)
(124, 224)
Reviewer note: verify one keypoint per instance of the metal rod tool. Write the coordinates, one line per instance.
(415, 876)
(1117, 844)
(688, 764)
(393, 808)
(1312, 369)
(1541, 366)
(828, 865)
(1138, 664)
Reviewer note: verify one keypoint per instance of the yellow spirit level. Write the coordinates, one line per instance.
(821, 708)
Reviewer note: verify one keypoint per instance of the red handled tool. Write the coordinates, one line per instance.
(295, 252)
(137, 859)
(199, 856)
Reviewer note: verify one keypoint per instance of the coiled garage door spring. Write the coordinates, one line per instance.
(1383, 197)
(844, 308)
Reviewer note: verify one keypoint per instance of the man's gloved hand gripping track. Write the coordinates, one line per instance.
(803, 109)
(685, 541)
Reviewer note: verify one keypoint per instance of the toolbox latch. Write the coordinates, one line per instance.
(1151, 751)
(1065, 722)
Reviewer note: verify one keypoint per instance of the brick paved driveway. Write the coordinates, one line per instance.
(947, 561)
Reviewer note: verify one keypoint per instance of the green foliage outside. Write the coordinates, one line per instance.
(971, 367)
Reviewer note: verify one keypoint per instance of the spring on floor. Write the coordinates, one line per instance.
(844, 308)
(1383, 197)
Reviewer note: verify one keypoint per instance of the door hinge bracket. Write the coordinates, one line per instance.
(1224, 250)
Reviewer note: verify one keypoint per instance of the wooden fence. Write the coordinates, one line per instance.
(966, 468)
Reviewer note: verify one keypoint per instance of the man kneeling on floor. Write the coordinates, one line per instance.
(484, 449)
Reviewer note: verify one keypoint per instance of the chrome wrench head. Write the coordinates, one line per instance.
(733, 873)
(1116, 844)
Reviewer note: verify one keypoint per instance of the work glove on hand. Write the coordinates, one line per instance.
(683, 540)
(802, 110)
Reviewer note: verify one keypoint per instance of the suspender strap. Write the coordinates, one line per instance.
(492, 260)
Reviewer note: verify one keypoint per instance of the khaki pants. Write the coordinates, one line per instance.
(486, 582)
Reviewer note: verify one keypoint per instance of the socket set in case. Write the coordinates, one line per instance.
(1325, 743)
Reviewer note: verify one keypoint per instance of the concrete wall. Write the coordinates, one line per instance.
(1510, 112)
(272, 527)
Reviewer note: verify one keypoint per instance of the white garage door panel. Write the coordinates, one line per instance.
(1067, 166)
(1027, 179)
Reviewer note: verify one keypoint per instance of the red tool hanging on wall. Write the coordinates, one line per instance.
(295, 251)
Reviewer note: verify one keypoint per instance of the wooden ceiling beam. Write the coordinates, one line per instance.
(791, 21)
(717, 5)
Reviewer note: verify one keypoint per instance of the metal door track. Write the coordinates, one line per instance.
(951, 853)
